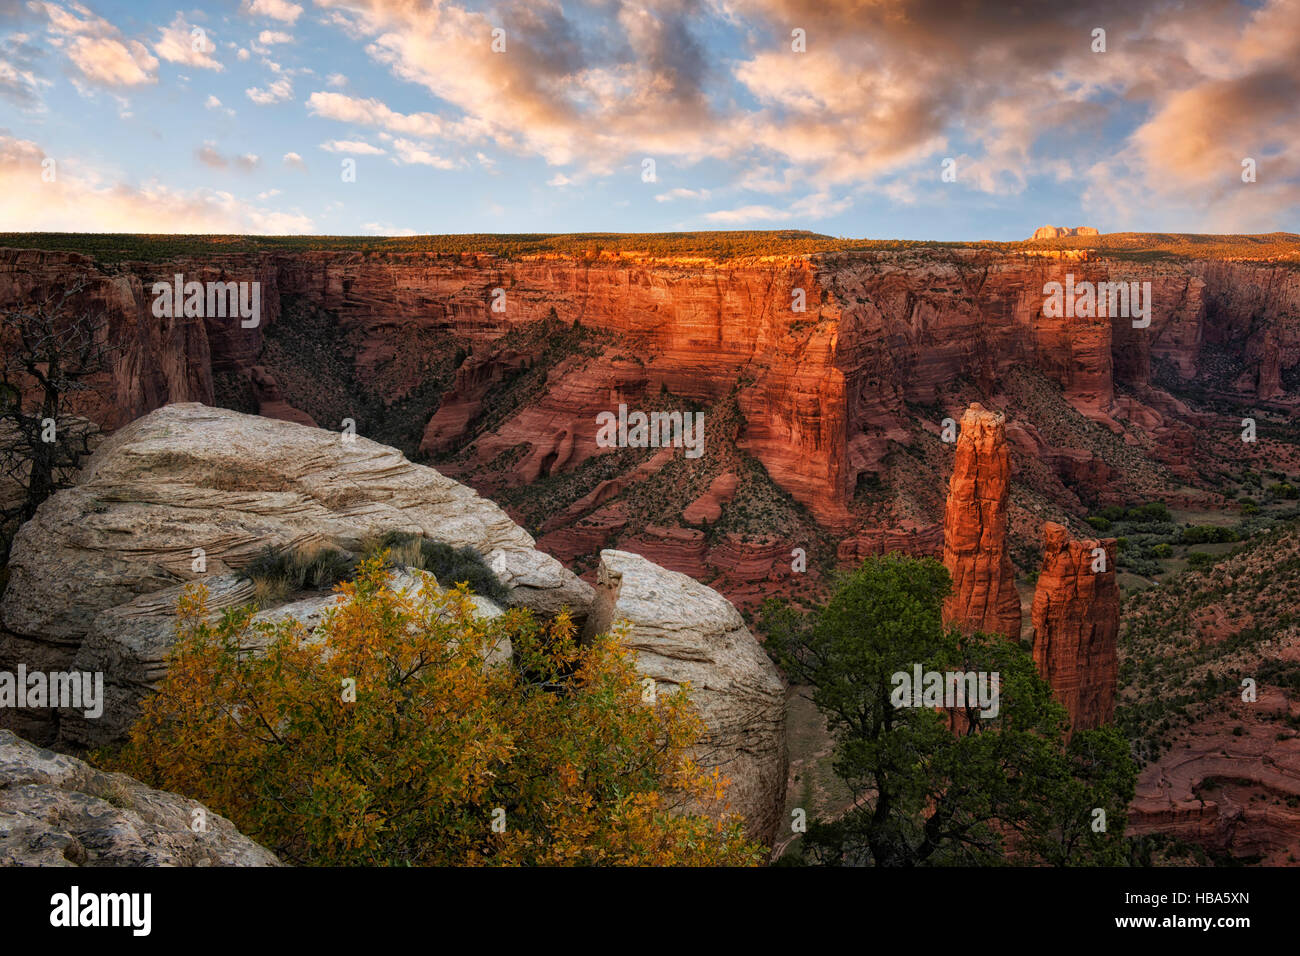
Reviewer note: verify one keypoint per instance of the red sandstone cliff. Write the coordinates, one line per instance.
(1076, 625)
(825, 394)
(984, 596)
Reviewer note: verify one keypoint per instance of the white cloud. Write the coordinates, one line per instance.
(277, 92)
(352, 146)
(336, 80)
(415, 154)
(268, 37)
(281, 10)
(97, 48)
(751, 213)
(681, 193)
(384, 229)
(293, 161)
(818, 205)
(212, 103)
(177, 45)
(372, 112)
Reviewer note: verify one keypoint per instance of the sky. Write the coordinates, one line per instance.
(862, 118)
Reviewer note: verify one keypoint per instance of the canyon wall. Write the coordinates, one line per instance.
(823, 392)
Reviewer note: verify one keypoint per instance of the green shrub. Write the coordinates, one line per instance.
(1149, 513)
(1199, 559)
(449, 565)
(278, 573)
(1100, 523)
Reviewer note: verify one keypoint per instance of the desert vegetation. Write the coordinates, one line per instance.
(397, 736)
(1002, 788)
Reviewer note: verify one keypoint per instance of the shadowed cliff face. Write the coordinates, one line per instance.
(1076, 624)
(806, 411)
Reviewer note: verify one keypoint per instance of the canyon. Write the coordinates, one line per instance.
(919, 402)
(808, 410)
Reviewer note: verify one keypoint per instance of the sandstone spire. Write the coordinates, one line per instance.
(975, 552)
(1076, 624)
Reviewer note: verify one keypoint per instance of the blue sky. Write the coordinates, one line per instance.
(245, 127)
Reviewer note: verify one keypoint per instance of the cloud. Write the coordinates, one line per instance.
(885, 90)
(815, 206)
(177, 45)
(372, 112)
(212, 103)
(209, 155)
(414, 154)
(280, 10)
(336, 80)
(81, 201)
(384, 229)
(294, 161)
(352, 146)
(20, 83)
(276, 92)
(97, 49)
(681, 193)
(269, 37)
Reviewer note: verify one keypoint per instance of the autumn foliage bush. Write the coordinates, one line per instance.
(438, 757)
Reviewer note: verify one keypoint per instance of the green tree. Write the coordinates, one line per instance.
(944, 787)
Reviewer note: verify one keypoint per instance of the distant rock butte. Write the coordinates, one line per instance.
(1058, 232)
(984, 596)
(56, 810)
(1076, 625)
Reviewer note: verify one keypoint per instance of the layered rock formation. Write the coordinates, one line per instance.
(683, 632)
(1057, 232)
(96, 575)
(822, 391)
(1231, 784)
(824, 396)
(189, 481)
(984, 596)
(56, 810)
(1076, 625)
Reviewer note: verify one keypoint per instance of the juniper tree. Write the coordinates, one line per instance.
(50, 348)
(935, 786)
